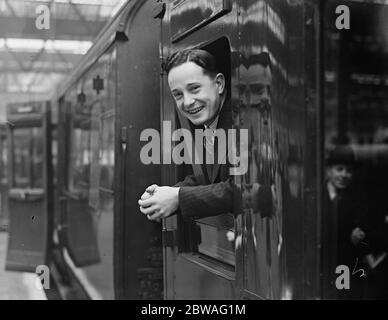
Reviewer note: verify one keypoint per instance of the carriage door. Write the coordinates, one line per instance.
(29, 196)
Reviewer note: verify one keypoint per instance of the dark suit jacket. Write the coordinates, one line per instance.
(341, 216)
(202, 196)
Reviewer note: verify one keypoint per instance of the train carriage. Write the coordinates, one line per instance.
(104, 106)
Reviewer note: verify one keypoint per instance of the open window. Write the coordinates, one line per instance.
(212, 237)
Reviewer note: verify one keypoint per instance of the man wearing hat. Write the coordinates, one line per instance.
(342, 233)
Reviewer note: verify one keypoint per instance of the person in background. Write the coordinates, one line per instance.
(342, 234)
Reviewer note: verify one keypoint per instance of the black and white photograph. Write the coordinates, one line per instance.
(202, 152)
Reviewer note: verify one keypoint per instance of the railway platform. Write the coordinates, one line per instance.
(16, 285)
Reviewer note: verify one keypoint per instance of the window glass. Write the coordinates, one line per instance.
(28, 158)
(355, 220)
(107, 151)
(79, 153)
(90, 179)
(95, 168)
(3, 158)
(217, 237)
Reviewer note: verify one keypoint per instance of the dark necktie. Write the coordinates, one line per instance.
(208, 152)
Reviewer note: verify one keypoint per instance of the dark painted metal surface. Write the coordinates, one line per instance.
(272, 108)
(268, 87)
(138, 90)
(188, 16)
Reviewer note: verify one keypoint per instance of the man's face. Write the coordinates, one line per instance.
(339, 175)
(197, 95)
(256, 91)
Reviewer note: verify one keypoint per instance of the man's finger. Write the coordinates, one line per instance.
(147, 202)
(148, 210)
(155, 216)
(145, 196)
(152, 217)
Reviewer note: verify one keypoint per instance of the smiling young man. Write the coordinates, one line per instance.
(200, 94)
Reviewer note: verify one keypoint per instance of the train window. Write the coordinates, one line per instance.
(214, 236)
(90, 178)
(355, 220)
(95, 169)
(107, 151)
(79, 153)
(28, 158)
(3, 158)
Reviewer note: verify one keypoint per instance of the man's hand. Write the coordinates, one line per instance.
(149, 192)
(357, 236)
(163, 202)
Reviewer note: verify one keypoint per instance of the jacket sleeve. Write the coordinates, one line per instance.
(189, 180)
(207, 200)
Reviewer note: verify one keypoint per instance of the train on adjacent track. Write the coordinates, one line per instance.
(297, 83)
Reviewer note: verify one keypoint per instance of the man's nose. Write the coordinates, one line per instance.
(247, 97)
(188, 100)
(346, 173)
(265, 97)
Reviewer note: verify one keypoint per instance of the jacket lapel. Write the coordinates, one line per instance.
(225, 123)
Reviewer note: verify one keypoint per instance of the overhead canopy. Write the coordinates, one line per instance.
(33, 61)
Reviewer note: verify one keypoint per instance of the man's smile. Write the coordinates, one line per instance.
(195, 110)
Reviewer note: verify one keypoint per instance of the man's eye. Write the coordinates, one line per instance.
(195, 89)
(258, 89)
(177, 96)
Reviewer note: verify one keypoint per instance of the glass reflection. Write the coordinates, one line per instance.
(28, 158)
(262, 181)
(90, 181)
(355, 222)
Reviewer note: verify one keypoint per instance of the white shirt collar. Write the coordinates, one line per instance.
(213, 125)
(332, 191)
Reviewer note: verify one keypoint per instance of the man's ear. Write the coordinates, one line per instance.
(220, 82)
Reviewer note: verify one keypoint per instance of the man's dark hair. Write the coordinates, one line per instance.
(262, 59)
(202, 58)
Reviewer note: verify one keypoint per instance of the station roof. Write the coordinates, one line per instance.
(33, 60)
